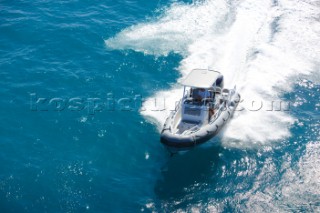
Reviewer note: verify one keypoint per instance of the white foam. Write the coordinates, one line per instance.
(259, 46)
(179, 26)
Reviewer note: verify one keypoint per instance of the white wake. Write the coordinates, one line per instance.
(259, 46)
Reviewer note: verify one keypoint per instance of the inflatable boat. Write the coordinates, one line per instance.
(205, 107)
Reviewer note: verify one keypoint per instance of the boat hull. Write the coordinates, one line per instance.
(179, 142)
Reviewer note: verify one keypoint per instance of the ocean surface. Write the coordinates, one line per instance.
(85, 87)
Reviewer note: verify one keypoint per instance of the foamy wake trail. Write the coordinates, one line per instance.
(259, 46)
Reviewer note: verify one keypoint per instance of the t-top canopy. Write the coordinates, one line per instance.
(201, 78)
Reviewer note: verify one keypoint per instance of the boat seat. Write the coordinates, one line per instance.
(219, 81)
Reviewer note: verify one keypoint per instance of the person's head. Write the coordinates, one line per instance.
(202, 89)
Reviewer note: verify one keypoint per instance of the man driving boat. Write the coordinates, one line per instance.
(200, 94)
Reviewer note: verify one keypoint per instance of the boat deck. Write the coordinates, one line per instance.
(185, 126)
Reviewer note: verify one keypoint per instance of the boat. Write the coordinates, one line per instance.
(205, 107)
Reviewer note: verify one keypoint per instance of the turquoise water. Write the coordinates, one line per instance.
(64, 149)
